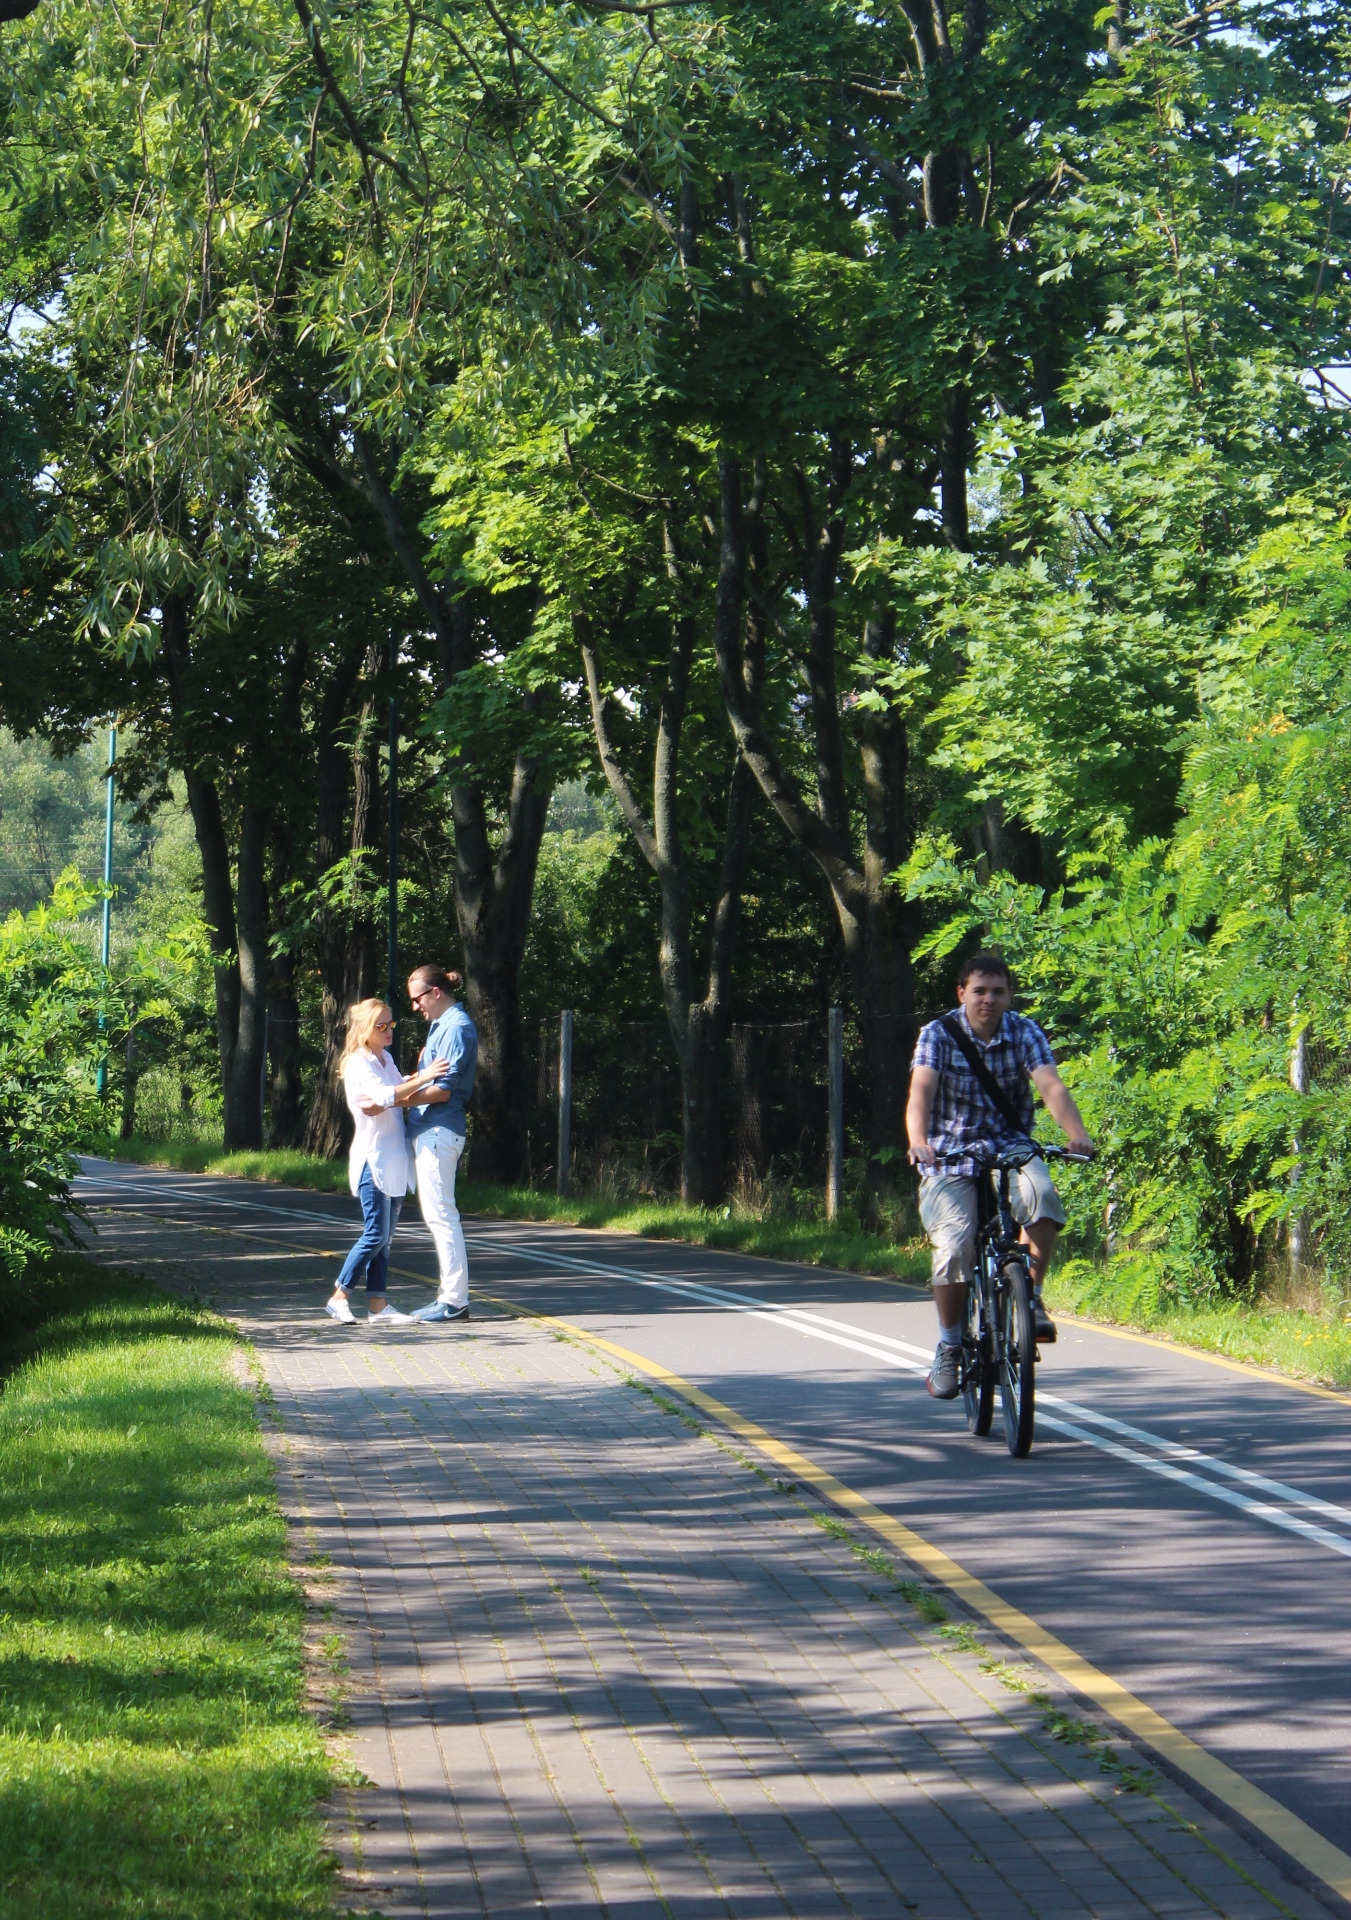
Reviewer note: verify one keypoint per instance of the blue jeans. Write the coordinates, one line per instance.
(379, 1217)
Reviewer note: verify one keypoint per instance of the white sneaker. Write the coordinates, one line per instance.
(389, 1317)
(339, 1308)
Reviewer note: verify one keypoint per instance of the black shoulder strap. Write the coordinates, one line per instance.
(989, 1086)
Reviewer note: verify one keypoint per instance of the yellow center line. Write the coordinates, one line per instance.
(1250, 1367)
(1293, 1835)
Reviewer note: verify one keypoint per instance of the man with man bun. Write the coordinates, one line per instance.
(437, 1129)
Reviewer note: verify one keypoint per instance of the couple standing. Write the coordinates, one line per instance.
(409, 1135)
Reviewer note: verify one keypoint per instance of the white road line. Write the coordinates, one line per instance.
(176, 1193)
(896, 1353)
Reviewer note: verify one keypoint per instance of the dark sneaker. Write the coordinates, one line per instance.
(441, 1310)
(1045, 1325)
(944, 1371)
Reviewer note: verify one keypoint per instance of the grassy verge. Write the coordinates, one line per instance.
(776, 1237)
(1311, 1346)
(1306, 1345)
(286, 1166)
(155, 1757)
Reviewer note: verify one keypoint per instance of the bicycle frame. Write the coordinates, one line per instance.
(999, 1339)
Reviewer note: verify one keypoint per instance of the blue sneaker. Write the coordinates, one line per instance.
(441, 1310)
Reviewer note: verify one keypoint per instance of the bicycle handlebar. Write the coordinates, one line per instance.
(1017, 1158)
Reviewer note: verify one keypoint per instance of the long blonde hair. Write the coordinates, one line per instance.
(361, 1021)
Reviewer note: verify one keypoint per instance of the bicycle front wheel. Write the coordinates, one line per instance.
(977, 1364)
(1017, 1358)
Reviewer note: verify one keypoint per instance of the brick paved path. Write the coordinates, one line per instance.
(599, 1665)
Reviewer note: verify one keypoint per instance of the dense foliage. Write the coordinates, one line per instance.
(51, 994)
(897, 458)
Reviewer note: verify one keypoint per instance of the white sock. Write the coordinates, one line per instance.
(950, 1336)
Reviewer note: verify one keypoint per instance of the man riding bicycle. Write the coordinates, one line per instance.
(953, 1118)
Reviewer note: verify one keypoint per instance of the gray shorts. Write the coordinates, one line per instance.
(947, 1206)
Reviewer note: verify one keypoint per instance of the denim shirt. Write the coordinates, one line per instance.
(452, 1036)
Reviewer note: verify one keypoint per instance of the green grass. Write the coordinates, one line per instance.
(776, 1236)
(1307, 1345)
(155, 1754)
(1311, 1346)
(286, 1166)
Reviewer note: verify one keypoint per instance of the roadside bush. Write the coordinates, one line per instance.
(52, 989)
(1175, 975)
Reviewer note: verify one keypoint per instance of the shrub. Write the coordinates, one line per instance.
(52, 990)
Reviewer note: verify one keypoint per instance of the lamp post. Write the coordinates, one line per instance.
(107, 895)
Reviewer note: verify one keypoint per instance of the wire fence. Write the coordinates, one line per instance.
(1325, 1065)
(625, 1132)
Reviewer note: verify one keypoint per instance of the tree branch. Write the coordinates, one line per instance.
(366, 148)
(605, 747)
(514, 39)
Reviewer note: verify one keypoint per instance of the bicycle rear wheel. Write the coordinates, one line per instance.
(977, 1365)
(1017, 1358)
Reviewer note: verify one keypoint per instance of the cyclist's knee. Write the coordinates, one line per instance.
(953, 1262)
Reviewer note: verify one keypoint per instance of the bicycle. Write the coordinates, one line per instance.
(999, 1339)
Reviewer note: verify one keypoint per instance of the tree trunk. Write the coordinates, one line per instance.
(955, 459)
(492, 912)
(886, 996)
(1008, 845)
(243, 1080)
(286, 1119)
(129, 1080)
(218, 904)
(875, 922)
(236, 917)
(345, 945)
(698, 1027)
(703, 1163)
(493, 891)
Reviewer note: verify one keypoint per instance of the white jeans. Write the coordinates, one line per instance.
(436, 1155)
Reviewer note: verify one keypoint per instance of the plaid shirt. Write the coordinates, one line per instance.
(963, 1118)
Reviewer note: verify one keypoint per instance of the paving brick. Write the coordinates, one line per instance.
(713, 1714)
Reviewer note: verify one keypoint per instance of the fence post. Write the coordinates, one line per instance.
(1299, 1081)
(835, 1101)
(564, 1100)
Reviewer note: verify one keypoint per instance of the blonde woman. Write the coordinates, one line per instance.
(379, 1167)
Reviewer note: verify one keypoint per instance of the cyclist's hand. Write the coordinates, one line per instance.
(1082, 1145)
(923, 1155)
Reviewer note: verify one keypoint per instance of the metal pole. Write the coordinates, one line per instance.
(107, 897)
(835, 1101)
(564, 1101)
(1299, 1081)
(392, 790)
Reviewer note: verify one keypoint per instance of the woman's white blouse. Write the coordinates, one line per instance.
(379, 1141)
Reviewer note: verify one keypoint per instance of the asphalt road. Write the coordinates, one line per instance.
(1183, 1525)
